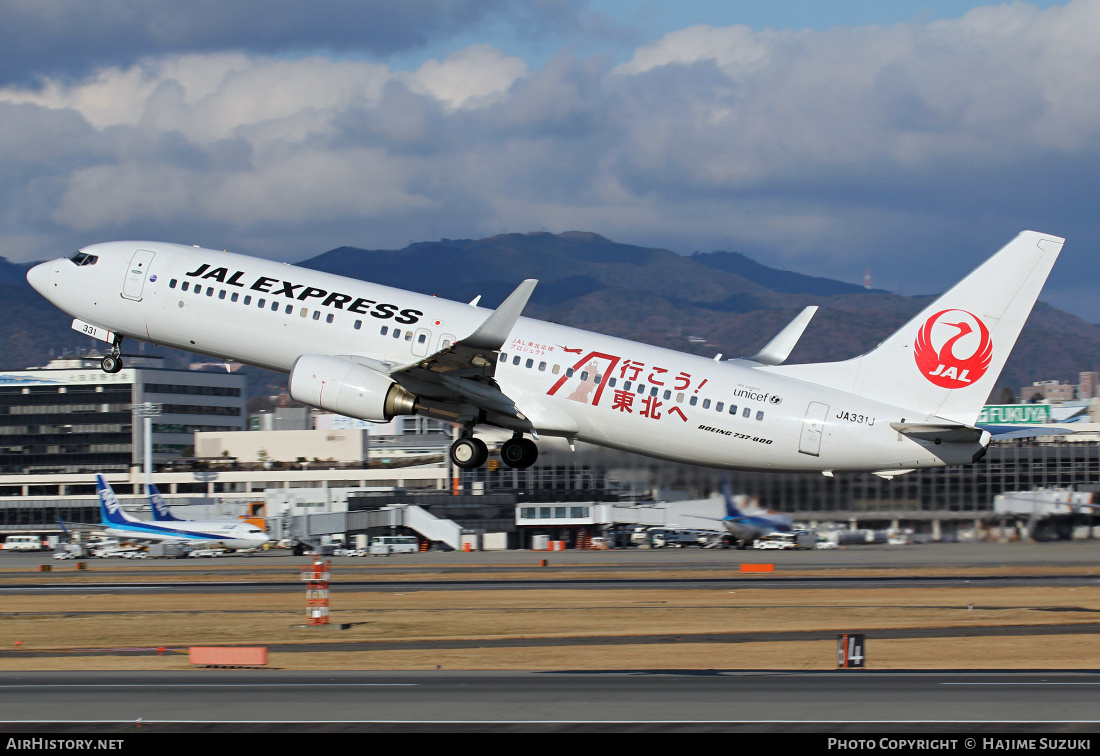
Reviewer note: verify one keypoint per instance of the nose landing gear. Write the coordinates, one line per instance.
(112, 363)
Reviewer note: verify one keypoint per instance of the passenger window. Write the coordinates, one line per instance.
(274, 306)
(316, 314)
(184, 285)
(680, 397)
(653, 391)
(305, 313)
(599, 379)
(397, 333)
(693, 401)
(542, 367)
(746, 413)
(358, 324)
(515, 360)
(627, 385)
(733, 409)
(261, 303)
(248, 299)
(421, 338)
(328, 318)
(556, 369)
(408, 335)
(221, 294)
(529, 364)
(172, 284)
(503, 357)
(569, 373)
(198, 289)
(706, 404)
(760, 415)
(385, 330)
(718, 407)
(209, 291)
(668, 395)
(289, 309)
(234, 296)
(584, 375)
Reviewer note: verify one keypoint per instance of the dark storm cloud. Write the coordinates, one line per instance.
(65, 38)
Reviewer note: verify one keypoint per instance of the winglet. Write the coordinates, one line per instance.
(779, 348)
(494, 331)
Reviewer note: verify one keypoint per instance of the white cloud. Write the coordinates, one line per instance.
(818, 148)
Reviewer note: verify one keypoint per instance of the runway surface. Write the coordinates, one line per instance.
(649, 700)
(644, 700)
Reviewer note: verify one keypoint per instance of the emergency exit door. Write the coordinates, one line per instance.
(813, 426)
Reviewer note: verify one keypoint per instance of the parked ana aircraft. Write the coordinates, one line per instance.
(372, 352)
(745, 528)
(229, 534)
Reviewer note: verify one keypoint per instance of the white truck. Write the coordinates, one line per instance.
(795, 539)
(23, 543)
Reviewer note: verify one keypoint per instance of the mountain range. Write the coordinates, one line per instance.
(705, 303)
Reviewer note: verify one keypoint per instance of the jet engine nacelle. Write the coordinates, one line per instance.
(348, 388)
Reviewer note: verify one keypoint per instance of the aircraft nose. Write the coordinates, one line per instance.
(39, 277)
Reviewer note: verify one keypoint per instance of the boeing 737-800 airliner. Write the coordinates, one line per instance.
(372, 352)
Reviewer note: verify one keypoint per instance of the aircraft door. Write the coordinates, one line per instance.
(421, 340)
(813, 426)
(136, 273)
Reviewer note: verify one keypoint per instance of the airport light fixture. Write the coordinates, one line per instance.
(148, 411)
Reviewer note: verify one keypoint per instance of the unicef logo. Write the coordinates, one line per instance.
(775, 399)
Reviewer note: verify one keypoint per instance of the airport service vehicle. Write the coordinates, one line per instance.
(394, 545)
(226, 534)
(23, 543)
(374, 352)
(795, 539)
(678, 538)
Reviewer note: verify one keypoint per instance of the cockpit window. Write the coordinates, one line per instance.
(83, 258)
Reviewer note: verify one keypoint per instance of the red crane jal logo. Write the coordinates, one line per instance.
(953, 349)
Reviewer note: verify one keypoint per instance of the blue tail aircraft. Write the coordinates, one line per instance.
(228, 534)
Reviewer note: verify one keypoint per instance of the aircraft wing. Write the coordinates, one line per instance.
(464, 371)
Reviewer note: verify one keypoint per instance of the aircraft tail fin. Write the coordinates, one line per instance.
(732, 512)
(110, 511)
(945, 362)
(161, 512)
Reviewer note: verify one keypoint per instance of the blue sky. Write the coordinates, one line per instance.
(910, 138)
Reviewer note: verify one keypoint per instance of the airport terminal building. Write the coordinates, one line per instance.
(61, 424)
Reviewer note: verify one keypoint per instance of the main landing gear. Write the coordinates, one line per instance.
(469, 452)
(112, 363)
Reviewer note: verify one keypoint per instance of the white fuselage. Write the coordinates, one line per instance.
(226, 534)
(648, 400)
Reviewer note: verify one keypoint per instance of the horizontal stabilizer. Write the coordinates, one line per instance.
(1004, 432)
(946, 433)
(779, 348)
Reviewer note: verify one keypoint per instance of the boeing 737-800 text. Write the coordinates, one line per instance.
(374, 352)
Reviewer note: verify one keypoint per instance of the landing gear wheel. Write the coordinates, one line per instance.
(469, 453)
(111, 364)
(519, 452)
